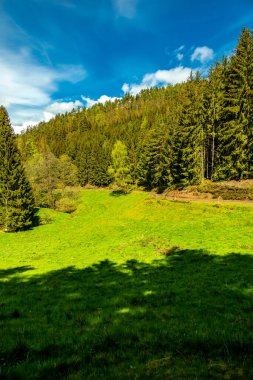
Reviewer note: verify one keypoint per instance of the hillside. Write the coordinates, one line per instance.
(174, 136)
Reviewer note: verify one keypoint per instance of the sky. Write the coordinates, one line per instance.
(56, 55)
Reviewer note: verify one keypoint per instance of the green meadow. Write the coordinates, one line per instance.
(129, 287)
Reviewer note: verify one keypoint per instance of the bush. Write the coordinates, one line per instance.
(66, 205)
(233, 190)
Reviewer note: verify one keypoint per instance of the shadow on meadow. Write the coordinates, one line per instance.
(187, 316)
(119, 193)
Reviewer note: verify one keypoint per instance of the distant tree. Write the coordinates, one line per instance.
(16, 198)
(119, 170)
(43, 173)
(47, 173)
(68, 174)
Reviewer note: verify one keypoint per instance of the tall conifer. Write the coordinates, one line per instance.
(214, 98)
(189, 150)
(154, 169)
(236, 120)
(16, 197)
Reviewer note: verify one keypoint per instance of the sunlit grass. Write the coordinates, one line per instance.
(93, 295)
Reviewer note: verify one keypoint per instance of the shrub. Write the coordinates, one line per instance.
(235, 190)
(66, 205)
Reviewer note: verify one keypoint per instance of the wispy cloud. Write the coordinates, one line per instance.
(125, 8)
(180, 56)
(26, 83)
(179, 53)
(181, 48)
(161, 77)
(202, 54)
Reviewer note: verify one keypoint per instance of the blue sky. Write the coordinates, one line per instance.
(60, 54)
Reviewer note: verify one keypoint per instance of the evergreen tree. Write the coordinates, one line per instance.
(214, 98)
(236, 118)
(176, 135)
(16, 198)
(155, 159)
(189, 150)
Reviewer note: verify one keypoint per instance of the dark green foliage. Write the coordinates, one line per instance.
(16, 196)
(92, 156)
(175, 136)
(154, 170)
(236, 117)
(189, 147)
(213, 103)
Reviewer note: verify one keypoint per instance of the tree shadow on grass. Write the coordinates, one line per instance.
(187, 316)
(118, 193)
(36, 218)
(5, 273)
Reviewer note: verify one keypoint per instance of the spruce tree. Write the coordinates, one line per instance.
(154, 169)
(236, 117)
(16, 198)
(189, 145)
(214, 98)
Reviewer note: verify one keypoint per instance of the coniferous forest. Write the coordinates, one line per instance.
(172, 136)
(109, 281)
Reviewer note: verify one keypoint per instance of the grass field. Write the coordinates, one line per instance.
(129, 287)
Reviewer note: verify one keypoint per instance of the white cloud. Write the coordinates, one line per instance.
(202, 54)
(25, 117)
(161, 77)
(26, 86)
(125, 88)
(181, 48)
(125, 8)
(59, 108)
(88, 101)
(103, 99)
(180, 56)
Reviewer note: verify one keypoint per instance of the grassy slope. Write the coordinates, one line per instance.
(89, 295)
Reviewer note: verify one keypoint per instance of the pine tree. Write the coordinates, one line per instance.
(189, 150)
(154, 169)
(214, 98)
(236, 118)
(16, 198)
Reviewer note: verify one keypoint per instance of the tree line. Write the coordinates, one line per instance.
(168, 137)
(174, 136)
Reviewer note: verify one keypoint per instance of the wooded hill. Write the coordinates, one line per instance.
(174, 136)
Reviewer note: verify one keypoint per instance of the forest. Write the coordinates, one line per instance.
(167, 137)
(163, 138)
(106, 282)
